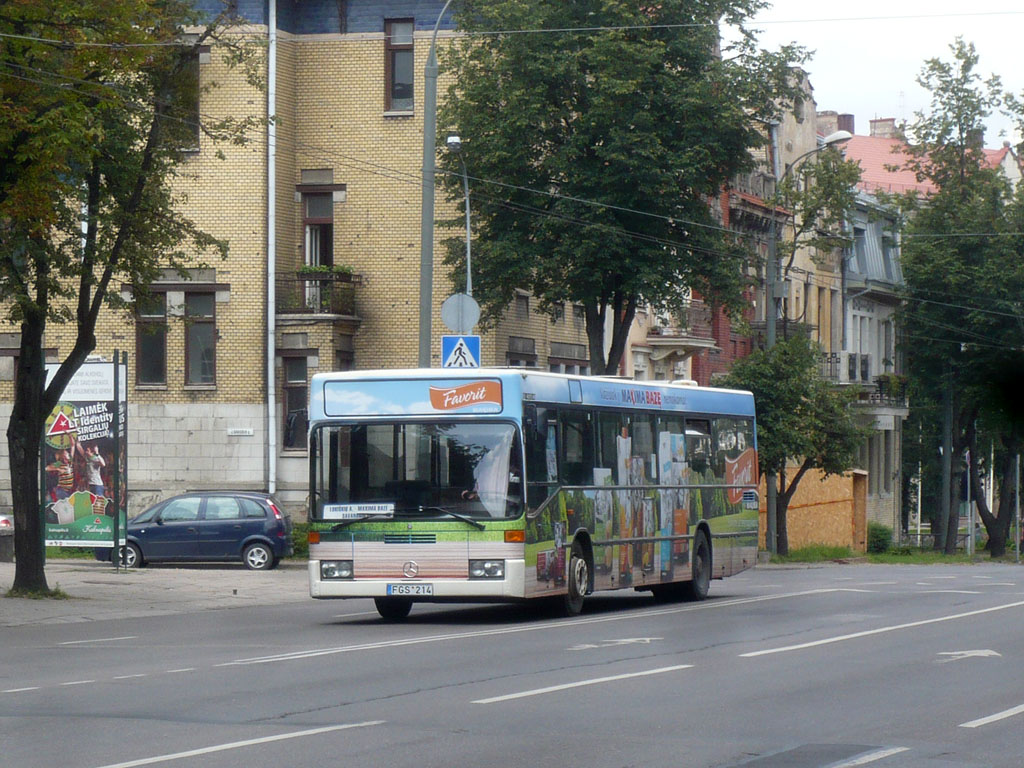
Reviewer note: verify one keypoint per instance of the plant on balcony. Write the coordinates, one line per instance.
(341, 272)
(891, 384)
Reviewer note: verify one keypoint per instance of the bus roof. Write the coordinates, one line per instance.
(502, 391)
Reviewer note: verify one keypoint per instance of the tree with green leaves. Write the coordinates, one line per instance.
(597, 134)
(802, 419)
(98, 104)
(819, 195)
(963, 262)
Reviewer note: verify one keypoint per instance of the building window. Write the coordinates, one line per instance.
(398, 65)
(184, 99)
(522, 352)
(318, 219)
(200, 339)
(522, 307)
(151, 340)
(295, 398)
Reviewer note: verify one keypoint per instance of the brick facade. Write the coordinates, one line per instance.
(329, 117)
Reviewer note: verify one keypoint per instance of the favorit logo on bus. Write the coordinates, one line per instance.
(465, 395)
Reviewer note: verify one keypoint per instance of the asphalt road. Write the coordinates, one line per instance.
(835, 667)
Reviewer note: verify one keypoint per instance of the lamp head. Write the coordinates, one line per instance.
(837, 138)
(453, 142)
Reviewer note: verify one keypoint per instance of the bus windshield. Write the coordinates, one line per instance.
(435, 469)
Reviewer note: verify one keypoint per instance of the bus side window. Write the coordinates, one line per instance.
(610, 428)
(698, 445)
(540, 436)
(577, 448)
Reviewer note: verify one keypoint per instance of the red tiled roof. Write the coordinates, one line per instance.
(876, 156)
(995, 157)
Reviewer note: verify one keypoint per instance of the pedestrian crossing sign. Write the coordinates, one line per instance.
(460, 351)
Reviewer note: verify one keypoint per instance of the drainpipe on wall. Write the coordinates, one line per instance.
(271, 247)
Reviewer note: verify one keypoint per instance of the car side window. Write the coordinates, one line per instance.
(222, 508)
(181, 509)
(252, 509)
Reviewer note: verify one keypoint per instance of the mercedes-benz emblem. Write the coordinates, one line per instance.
(410, 569)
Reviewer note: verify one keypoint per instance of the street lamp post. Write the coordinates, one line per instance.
(427, 207)
(772, 296)
(455, 147)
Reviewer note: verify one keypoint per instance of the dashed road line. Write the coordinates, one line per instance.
(871, 757)
(580, 684)
(881, 630)
(240, 744)
(1006, 713)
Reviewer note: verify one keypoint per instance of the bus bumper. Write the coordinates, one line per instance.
(512, 587)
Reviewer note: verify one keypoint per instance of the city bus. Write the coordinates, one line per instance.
(506, 484)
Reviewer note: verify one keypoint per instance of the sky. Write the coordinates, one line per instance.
(868, 54)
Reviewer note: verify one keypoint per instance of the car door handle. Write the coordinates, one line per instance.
(191, 530)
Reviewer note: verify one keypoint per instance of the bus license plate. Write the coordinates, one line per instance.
(413, 590)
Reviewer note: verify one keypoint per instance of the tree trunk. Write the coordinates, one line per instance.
(953, 522)
(782, 499)
(24, 433)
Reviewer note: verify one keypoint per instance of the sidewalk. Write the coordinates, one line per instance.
(97, 592)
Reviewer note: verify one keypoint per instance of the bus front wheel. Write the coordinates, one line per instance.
(700, 567)
(579, 580)
(392, 608)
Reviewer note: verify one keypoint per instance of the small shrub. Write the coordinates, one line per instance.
(879, 538)
(300, 543)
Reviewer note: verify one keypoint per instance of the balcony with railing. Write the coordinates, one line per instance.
(317, 293)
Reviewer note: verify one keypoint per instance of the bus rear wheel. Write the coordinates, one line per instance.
(578, 582)
(393, 608)
(700, 567)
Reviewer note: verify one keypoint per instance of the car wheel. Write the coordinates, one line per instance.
(131, 556)
(579, 580)
(393, 608)
(258, 557)
(700, 567)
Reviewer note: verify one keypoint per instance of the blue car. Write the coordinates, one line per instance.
(209, 525)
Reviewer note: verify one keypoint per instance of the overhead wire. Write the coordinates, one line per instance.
(414, 179)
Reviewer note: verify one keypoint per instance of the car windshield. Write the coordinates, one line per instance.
(440, 469)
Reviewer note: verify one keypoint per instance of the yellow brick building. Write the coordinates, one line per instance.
(334, 181)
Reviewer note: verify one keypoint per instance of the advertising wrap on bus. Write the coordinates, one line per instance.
(412, 398)
(504, 484)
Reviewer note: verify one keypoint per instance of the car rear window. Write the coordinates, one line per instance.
(222, 508)
(252, 508)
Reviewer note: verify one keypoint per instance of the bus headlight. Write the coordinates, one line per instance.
(487, 569)
(335, 569)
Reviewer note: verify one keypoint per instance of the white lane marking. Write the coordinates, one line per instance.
(628, 616)
(580, 683)
(881, 630)
(350, 615)
(129, 677)
(878, 583)
(239, 744)
(871, 757)
(612, 643)
(176, 671)
(993, 718)
(19, 690)
(100, 640)
(78, 682)
(961, 655)
(950, 592)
